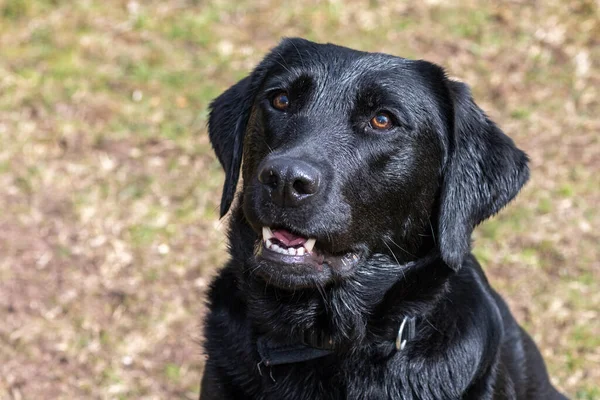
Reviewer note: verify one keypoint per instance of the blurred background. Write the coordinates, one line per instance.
(109, 190)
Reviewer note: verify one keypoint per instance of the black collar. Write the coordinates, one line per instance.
(312, 346)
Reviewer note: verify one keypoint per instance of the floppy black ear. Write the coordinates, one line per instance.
(485, 171)
(226, 126)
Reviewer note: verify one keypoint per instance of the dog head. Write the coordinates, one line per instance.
(350, 154)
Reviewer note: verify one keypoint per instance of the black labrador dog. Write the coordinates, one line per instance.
(351, 275)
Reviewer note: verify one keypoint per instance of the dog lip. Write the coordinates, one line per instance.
(314, 260)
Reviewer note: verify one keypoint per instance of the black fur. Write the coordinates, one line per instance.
(404, 202)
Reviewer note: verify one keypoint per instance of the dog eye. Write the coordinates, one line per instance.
(381, 121)
(281, 101)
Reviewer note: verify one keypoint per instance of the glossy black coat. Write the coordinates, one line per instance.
(404, 201)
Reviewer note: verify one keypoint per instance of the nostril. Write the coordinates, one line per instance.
(269, 177)
(305, 185)
(272, 179)
(300, 186)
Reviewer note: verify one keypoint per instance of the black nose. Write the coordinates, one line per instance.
(290, 182)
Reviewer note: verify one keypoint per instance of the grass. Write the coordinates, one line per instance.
(109, 230)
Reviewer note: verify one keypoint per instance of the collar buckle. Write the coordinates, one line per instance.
(406, 332)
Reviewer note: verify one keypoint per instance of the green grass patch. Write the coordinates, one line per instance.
(469, 24)
(15, 9)
(588, 393)
(566, 191)
(520, 113)
(584, 336)
(545, 205)
(193, 28)
(172, 372)
(142, 235)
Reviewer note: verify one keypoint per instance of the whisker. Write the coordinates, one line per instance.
(397, 262)
(404, 250)
(300, 55)
(280, 56)
(430, 324)
(270, 149)
(432, 232)
(321, 291)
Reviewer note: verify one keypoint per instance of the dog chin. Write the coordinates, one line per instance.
(292, 276)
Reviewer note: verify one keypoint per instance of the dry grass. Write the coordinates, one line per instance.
(109, 190)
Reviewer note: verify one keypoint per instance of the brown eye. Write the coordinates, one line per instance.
(381, 121)
(281, 101)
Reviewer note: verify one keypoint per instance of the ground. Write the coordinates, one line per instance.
(109, 229)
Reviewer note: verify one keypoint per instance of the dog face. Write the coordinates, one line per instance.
(349, 155)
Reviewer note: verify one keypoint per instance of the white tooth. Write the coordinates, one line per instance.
(267, 233)
(300, 251)
(276, 248)
(292, 251)
(268, 243)
(310, 243)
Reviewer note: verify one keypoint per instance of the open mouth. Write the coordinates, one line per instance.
(284, 247)
(284, 242)
(289, 260)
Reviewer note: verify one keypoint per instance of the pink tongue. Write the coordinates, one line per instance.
(288, 238)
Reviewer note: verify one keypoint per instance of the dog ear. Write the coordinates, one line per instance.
(484, 172)
(226, 127)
